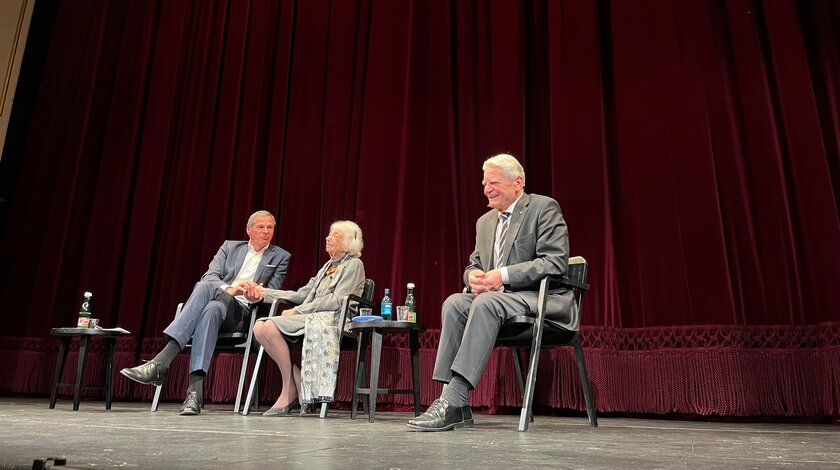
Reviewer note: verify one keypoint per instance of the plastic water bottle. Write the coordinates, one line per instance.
(386, 305)
(411, 303)
(84, 312)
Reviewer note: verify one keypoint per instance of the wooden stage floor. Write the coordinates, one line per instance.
(130, 436)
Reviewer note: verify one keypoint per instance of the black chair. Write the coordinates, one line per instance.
(241, 337)
(536, 332)
(348, 339)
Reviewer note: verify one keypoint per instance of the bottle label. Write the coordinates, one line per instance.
(84, 321)
(386, 311)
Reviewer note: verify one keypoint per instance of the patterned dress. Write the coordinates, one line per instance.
(318, 305)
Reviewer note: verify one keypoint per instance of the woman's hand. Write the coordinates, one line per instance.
(288, 313)
(254, 292)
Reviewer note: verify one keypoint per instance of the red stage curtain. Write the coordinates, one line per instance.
(694, 147)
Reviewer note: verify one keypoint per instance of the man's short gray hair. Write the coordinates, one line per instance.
(353, 241)
(253, 218)
(508, 163)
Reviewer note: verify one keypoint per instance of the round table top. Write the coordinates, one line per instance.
(82, 331)
(387, 325)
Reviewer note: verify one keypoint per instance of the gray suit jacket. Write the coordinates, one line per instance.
(228, 261)
(537, 245)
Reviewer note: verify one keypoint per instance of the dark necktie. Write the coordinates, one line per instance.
(504, 220)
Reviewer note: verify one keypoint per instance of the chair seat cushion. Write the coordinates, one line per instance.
(516, 331)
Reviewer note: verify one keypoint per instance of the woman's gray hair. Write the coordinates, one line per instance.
(253, 218)
(353, 241)
(508, 163)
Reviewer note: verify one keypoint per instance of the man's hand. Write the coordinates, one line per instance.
(481, 282)
(475, 280)
(492, 281)
(234, 290)
(254, 292)
(288, 313)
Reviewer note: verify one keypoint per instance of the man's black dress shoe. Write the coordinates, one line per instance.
(192, 405)
(152, 372)
(442, 416)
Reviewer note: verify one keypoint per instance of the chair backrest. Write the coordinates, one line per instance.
(516, 331)
(369, 289)
(348, 338)
(578, 268)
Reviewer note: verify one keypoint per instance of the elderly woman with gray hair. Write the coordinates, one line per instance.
(318, 304)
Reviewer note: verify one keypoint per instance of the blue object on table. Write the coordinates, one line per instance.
(362, 318)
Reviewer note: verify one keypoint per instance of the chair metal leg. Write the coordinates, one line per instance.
(254, 377)
(246, 358)
(156, 399)
(241, 386)
(59, 368)
(520, 376)
(517, 365)
(526, 415)
(256, 404)
(80, 370)
(324, 407)
(584, 381)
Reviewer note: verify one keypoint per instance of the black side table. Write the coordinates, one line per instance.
(375, 330)
(84, 335)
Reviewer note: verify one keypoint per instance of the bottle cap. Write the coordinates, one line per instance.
(88, 294)
(410, 285)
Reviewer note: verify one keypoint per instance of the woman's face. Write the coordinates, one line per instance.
(335, 244)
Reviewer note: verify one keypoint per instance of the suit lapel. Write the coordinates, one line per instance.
(519, 212)
(487, 237)
(266, 257)
(241, 251)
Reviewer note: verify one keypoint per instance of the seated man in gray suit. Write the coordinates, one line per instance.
(519, 241)
(217, 303)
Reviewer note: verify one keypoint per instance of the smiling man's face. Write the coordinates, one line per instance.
(500, 190)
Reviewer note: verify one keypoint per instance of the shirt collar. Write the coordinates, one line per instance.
(337, 261)
(509, 210)
(252, 250)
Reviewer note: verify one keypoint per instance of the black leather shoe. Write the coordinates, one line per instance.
(152, 372)
(441, 416)
(465, 410)
(284, 410)
(192, 405)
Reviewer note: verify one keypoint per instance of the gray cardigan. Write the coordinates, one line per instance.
(349, 278)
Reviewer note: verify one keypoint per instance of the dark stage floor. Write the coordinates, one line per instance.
(130, 436)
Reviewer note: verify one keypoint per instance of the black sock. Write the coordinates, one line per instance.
(197, 385)
(168, 353)
(456, 392)
(197, 382)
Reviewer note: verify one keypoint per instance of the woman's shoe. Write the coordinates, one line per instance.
(309, 409)
(283, 411)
